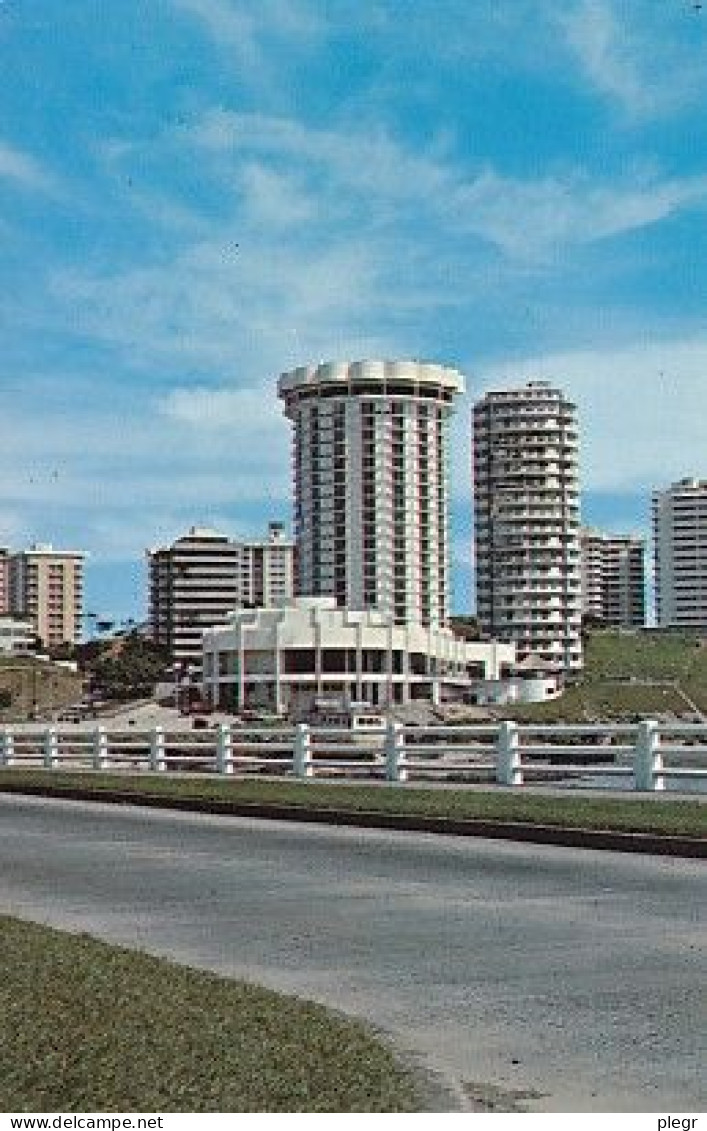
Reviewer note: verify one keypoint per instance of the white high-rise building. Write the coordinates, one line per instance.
(680, 554)
(370, 484)
(266, 569)
(526, 506)
(614, 579)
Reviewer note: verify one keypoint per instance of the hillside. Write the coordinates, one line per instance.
(630, 674)
(35, 686)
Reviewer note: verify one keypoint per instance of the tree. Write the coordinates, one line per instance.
(65, 651)
(123, 668)
(466, 626)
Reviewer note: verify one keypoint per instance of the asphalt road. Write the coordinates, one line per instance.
(506, 969)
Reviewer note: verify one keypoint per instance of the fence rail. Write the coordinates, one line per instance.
(644, 755)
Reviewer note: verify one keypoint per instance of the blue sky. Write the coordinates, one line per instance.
(198, 194)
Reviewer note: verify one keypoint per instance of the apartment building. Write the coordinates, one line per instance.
(527, 525)
(4, 579)
(202, 576)
(370, 469)
(679, 519)
(17, 635)
(266, 569)
(614, 578)
(46, 585)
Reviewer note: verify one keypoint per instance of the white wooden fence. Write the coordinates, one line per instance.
(643, 756)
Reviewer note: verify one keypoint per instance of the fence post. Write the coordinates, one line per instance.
(7, 747)
(224, 757)
(100, 748)
(51, 748)
(648, 759)
(509, 770)
(157, 759)
(395, 752)
(302, 758)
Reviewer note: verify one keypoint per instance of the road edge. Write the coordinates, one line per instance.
(657, 844)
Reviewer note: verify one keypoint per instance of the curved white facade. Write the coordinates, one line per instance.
(285, 658)
(370, 470)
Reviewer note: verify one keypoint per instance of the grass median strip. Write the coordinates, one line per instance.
(85, 1026)
(657, 815)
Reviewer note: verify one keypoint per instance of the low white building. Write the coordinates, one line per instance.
(17, 634)
(284, 658)
(531, 680)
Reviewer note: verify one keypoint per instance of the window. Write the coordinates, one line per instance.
(298, 661)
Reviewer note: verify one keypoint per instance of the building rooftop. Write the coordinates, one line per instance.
(410, 372)
(47, 548)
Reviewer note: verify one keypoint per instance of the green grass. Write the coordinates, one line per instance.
(89, 1027)
(655, 814)
(644, 655)
(597, 700)
(629, 674)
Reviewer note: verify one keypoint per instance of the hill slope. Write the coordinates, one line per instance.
(629, 674)
(36, 686)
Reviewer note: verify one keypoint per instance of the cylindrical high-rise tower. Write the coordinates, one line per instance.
(370, 484)
(526, 507)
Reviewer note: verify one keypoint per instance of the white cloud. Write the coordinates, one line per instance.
(532, 220)
(227, 22)
(242, 430)
(594, 37)
(12, 525)
(239, 306)
(221, 408)
(22, 168)
(365, 158)
(351, 172)
(244, 31)
(191, 446)
(236, 21)
(642, 423)
(636, 55)
(274, 200)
